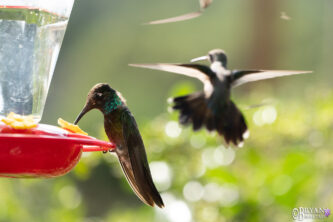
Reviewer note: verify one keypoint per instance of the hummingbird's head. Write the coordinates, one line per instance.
(218, 55)
(101, 97)
(215, 55)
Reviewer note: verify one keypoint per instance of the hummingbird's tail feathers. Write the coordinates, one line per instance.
(231, 124)
(228, 121)
(144, 179)
(140, 182)
(193, 109)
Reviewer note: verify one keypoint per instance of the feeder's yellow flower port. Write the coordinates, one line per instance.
(19, 122)
(71, 127)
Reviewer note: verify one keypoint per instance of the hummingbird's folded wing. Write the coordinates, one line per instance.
(201, 72)
(184, 17)
(134, 163)
(240, 77)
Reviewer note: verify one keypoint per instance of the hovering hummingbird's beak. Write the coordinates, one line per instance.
(85, 109)
(199, 58)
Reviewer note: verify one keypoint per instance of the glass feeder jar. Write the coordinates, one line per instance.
(31, 33)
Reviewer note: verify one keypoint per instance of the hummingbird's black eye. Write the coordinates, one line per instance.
(210, 57)
(98, 95)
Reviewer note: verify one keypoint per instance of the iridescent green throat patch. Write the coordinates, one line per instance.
(112, 104)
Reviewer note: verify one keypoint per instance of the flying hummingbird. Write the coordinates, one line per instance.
(121, 129)
(203, 5)
(213, 107)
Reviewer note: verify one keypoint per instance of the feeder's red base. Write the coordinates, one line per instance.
(43, 152)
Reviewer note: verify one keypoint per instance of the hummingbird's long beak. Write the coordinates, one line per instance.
(85, 109)
(199, 58)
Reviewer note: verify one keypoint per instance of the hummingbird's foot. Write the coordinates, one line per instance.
(110, 150)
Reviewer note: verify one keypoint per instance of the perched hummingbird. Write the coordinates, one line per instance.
(203, 5)
(121, 129)
(213, 107)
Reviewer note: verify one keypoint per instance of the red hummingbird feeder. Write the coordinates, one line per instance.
(31, 34)
(44, 151)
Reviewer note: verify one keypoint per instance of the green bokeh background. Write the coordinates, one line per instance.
(287, 161)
